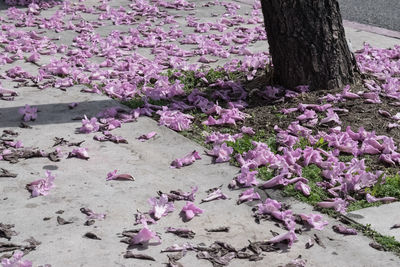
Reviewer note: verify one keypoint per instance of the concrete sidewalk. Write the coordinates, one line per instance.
(82, 183)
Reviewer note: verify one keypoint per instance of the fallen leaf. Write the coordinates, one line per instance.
(129, 254)
(61, 221)
(5, 173)
(91, 236)
(219, 229)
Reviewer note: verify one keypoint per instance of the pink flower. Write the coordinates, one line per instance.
(290, 237)
(222, 152)
(160, 206)
(315, 220)
(89, 126)
(187, 160)
(174, 119)
(145, 137)
(311, 155)
(42, 186)
(34, 57)
(217, 194)
(371, 199)
(269, 206)
(29, 113)
(247, 178)
(144, 236)
(114, 176)
(79, 153)
(248, 195)
(302, 187)
(247, 130)
(16, 261)
(307, 115)
(331, 116)
(338, 204)
(190, 210)
(72, 105)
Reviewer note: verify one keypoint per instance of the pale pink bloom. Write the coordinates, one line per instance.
(190, 210)
(114, 176)
(42, 186)
(17, 144)
(302, 187)
(248, 195)
(81, 153)
(144, 236)
(29, 113)
(247, 130)
(222, 152)
(311, 155)
(187, 160)
(338, 204)
(160, 206)
(145, 137)
(314, 220)
(174, 119)
(290, 237)
(275, 181)
(247, 178)
(347, 94)
(307, 115)
(16, 260)
(371, 199)
(331, 116)
(89, 126)
(35, 57)
(269, 206)
(217, 194)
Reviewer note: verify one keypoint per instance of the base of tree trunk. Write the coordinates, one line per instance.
(308, 44)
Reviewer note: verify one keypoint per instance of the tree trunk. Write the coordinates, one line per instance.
(307, 44)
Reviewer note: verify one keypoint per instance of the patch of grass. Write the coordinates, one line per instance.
(244, 144)
(345, 158)
(313, 174)
(390, 188)
(264, 173)
(302, 143)
(133, 103)
(362, 204)
(389, 243)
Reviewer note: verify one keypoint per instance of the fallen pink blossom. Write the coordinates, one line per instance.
(16, 260)
(144, 236)
(248, 195)
(216, 194)
(338, 204)
(331, 116)
(269, 206)
(344, 230)
(371, 199)
(114, 176)
(79, 153)
(186, 160)
(247, 178)
(289, 237)
(89, 126)
(314, 220)
(29, 113)
(302, 187)
(160, 206)
(190, 210)
(247, 130)
(42, 186)
(145, 137)
(174, 119)
(221, 152)
(178, 248)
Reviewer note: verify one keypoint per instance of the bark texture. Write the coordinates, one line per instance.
(308, 44)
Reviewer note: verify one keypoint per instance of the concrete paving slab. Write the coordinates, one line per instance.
(380, 218)
(81, 183)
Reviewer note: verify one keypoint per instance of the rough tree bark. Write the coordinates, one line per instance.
(308, 44)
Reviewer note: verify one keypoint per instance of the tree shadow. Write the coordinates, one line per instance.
(55, 113)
